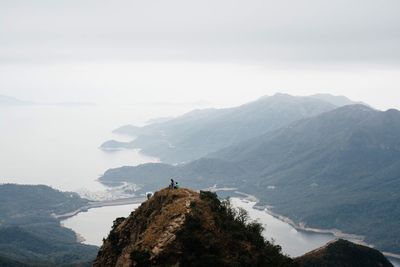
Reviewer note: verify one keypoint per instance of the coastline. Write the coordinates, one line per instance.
(335, 232)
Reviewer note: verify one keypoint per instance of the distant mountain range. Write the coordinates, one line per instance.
(201, 132)
(339, 169)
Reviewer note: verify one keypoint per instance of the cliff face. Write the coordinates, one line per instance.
(345, 254)
(181, 227)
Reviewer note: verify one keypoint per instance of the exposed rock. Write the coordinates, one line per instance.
(180, 227)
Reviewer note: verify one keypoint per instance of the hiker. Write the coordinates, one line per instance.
(172, 184)
(176, 185)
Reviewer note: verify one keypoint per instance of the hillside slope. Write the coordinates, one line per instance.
(338, 170)
(31, 235)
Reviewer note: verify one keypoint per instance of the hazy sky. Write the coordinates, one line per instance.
(223, 51)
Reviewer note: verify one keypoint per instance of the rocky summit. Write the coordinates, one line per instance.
(180, 227)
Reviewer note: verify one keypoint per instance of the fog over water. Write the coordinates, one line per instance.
(59, 145)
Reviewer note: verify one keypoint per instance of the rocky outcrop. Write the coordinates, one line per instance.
(180, 227)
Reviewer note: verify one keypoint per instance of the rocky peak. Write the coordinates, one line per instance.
(180, 227)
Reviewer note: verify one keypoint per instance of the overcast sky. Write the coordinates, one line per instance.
(222, 51)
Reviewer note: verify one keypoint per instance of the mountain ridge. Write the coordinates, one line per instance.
(200, 132)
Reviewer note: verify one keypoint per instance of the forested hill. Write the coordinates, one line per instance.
(30, 235)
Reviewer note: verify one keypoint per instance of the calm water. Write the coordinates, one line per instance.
(95, 224)
(58, 145)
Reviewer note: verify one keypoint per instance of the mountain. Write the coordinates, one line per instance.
(181, 227)
(197, 133)
(337, 170)
(29, 233)
(199, 174)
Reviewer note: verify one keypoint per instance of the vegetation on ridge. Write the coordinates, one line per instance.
(180, 226)
(216, 234)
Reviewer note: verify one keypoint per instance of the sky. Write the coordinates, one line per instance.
(225, 52)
